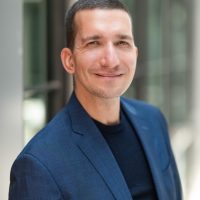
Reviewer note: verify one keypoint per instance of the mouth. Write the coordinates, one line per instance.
(108, 75)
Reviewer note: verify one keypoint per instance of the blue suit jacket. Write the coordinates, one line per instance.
(69, 158)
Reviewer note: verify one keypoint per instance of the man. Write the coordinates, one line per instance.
(100, 146)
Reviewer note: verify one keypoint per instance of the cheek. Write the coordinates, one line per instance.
(87, 59)
(92, 57)
(130, 61)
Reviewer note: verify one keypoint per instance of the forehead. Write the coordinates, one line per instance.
(102, 19)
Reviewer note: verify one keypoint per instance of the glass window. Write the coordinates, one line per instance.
(161, 75)
(35, 73)
(46, 85)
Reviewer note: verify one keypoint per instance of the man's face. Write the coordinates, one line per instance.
(104, 55)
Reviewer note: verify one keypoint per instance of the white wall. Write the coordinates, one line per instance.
(11, 134)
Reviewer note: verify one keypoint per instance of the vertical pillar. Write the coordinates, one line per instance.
(194, 178)
(195, 64)
(11, 134)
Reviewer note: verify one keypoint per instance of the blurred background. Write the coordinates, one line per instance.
(34, 86)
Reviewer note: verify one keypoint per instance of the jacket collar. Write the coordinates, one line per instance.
(93, 145)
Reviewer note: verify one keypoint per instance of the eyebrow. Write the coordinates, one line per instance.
(97, 37)
(125, 37)
(88, 38)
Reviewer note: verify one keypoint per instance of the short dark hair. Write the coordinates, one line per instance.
(87, 5)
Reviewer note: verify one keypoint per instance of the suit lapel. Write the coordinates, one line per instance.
(92, 144)
(144, 132)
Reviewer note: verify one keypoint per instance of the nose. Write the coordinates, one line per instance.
(110, 56)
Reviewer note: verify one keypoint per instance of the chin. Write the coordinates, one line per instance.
(108, 94)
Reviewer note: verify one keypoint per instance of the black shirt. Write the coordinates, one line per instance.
(129, 154)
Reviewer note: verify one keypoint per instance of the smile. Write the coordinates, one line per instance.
(108, 75)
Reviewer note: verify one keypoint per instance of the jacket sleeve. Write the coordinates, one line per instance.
(31, 180)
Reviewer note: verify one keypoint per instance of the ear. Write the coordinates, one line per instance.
(67, 60)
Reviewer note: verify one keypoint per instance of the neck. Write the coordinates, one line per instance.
(104, 110)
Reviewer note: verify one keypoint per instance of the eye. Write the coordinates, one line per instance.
(93, 43)
(123, 43)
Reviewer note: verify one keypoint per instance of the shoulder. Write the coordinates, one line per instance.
(147, 113)
(140, 108)
(50, 138)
